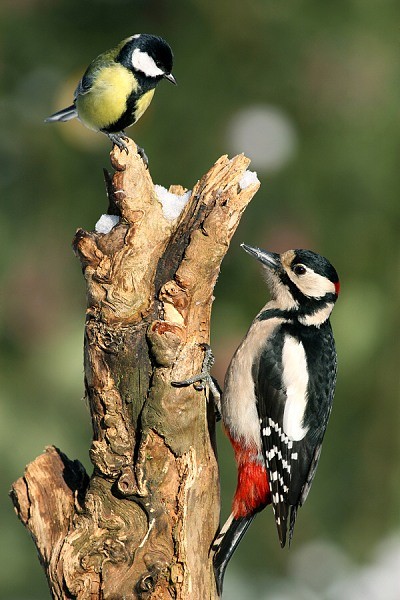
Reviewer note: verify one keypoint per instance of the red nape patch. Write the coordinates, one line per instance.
(252, 490)
(337, 288)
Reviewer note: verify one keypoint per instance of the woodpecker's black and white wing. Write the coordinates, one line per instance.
(293, 404)
(271, 399)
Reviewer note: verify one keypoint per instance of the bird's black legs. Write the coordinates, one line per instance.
(204, 378)
(226, 543)
(119, 140)
(143, 156)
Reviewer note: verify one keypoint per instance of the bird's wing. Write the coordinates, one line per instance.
(101, 62)
(271, 399)
(104, 60)
(287, 460)
(85, 84)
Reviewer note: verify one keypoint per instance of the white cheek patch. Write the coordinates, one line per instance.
(141, 61)
(311, 284)
(295, 380)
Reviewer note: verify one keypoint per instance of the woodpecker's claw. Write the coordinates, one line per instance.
(204, 379)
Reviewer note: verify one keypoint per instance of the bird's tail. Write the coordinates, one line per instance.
(226, 543)
(63, 115)
(293, 515)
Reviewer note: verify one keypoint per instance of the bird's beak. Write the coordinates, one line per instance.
(170, 78)
(271, 260)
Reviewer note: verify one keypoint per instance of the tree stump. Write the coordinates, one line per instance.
(142, 525)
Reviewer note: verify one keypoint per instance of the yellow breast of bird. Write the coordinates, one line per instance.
(142, 103)
(106, 101)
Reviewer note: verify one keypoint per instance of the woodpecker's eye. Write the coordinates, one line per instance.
(299, 269)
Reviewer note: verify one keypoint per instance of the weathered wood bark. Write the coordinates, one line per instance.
(142, 525)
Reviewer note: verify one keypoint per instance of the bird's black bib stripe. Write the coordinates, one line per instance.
(127, 118)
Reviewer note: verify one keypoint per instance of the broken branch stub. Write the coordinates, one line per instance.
(142, 526)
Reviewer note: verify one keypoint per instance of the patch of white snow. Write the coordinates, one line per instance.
(248, 178)
(172, 204)
(106, 223)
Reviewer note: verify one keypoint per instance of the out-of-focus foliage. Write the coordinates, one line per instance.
(310, 90)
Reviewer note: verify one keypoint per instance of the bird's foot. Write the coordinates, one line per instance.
(203, 379)
(143, 156)
(119, 140)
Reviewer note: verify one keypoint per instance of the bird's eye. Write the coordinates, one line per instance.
(299, 269)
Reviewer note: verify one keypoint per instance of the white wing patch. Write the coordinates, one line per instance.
(295, 379)
(141, 61)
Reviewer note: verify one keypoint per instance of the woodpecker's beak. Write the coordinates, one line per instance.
(271, 260)
(170, 78)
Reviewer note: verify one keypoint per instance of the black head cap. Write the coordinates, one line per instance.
(148, 55)
(319, 264)
(158, 49)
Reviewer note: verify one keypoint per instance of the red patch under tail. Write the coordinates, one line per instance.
(252, 491)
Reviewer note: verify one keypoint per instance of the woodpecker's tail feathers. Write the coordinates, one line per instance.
(293, 515)
(226, 543)
(280, 513)
(66, 114)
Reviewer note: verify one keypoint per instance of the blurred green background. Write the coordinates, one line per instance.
(310, 91)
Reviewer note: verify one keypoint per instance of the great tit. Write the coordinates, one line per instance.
(119, 85)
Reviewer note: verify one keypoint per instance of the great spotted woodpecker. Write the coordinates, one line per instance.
(278, 395)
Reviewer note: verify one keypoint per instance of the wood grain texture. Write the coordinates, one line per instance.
(142, 525)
